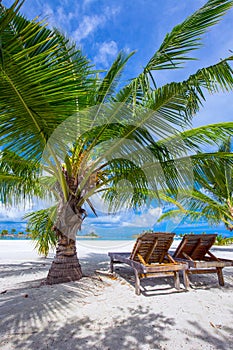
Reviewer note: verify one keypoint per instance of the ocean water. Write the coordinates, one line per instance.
(9, 225)
(127, 233)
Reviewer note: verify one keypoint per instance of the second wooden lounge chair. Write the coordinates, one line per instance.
(150, 258)
(194, 249)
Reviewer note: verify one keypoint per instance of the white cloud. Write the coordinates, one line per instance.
(63, 17)
(49, 13)
(111, 11)
(59, 16)
(105, 219)
(87, 26)
(17, 212)
(147, 219)
(106, 50)
(90, 23)
(88, 2)
(14, 213)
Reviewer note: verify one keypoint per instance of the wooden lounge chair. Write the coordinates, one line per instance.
(195, 250)
(150, 258)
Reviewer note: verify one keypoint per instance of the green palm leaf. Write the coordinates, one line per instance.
(40, 224)
(42, 79)
(18, 178)
(109, 83)
(186, 37)
(212, 196)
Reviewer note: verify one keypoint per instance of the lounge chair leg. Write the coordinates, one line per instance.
(177, 280)
(186, 279)
(137, 283)
(111, 265)
(220, 276)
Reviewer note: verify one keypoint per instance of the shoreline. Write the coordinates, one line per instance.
(91, 244)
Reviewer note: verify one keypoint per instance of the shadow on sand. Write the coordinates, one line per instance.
(66, 316)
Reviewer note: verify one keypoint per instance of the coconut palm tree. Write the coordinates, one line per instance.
(212, 195)
(69, 134)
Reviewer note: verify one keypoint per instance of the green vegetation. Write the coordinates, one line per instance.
(122, 143)
(92, 234)
(183, 234)
(221, 240)
(212, 195)
(135, 236)
(13, 234)
(4, 232)
(40, 227)
(89, 235)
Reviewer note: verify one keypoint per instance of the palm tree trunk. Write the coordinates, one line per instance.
(65, 266)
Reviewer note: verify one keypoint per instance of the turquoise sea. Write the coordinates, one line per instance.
(126, 233)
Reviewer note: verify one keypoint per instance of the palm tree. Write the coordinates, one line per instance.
(69, 134)
(212, 195)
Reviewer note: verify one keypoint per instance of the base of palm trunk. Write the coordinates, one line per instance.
(64, 269)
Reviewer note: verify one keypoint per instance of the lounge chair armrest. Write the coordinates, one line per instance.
(171, 258)
(212, 256)
(187, 256)
(141, 259)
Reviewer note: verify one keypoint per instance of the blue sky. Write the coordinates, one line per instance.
(102, 28)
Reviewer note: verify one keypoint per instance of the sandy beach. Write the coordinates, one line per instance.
(102, 313)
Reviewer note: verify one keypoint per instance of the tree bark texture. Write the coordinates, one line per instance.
(65, 266)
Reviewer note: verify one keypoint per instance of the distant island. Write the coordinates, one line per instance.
(88, 235)
(27, 234)
(14, 234)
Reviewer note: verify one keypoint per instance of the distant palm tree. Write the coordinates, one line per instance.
(4, 232)
(69, 133)
(212, 195)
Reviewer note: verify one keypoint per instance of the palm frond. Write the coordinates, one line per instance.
(172, 214)
(186, 37)
(40, 225)
(194, 139)
(40, 84)
(212, 195)
(7, 15)
(18, 179)
(110, 81)
(175, 104)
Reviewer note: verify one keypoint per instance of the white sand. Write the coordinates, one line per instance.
(98, 312)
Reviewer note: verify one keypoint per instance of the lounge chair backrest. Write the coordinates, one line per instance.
(195, 246)
(152, 247)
